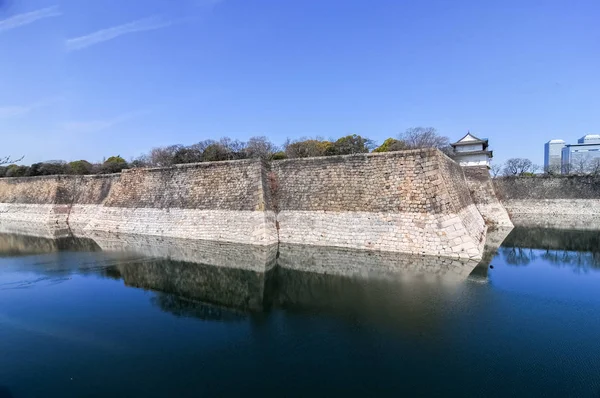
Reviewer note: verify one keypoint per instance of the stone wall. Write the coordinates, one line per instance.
(484, 196)
(569, 202)
(51, 206)
(221, 201)
(411, 201)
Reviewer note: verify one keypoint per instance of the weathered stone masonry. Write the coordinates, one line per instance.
(413, 201)
(563, 202)
(484, 196)
(51, 206)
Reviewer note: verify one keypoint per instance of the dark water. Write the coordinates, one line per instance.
(177, 319)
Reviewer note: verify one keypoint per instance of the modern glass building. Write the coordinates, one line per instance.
(553, 156)
(583, 157)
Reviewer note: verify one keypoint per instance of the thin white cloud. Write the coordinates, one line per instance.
(141, 25)
(10, 111)
(92, 126)
(27, 18)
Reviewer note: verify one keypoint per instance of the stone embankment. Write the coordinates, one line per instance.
(563, 202)
(413, 202)
(484, 196)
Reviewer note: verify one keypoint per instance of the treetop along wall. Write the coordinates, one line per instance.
(411, 201)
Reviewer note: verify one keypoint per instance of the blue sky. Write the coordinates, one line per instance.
(91, 79)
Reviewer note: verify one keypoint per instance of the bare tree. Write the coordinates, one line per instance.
(495, 170)
(140, 161)
(518, 167)
(594, 168)
(552, 169)
(424, 137)
(202, 145)
(585, 164)
(235, 148)
(260, 147)
(8, 159)
(163, 156)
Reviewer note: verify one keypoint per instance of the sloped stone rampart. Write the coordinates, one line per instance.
(484, 196)
(413, 201)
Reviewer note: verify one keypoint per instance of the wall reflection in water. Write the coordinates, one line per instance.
(23, 245)
(576, 249)
(215, 280)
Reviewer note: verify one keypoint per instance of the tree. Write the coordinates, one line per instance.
(163, 156)
(495, 170)
(352, 144)
(309, 148)
(52, 167)
(16, 171)
(187, 155)
(113, 164)
(390, 145)
(594, 168)
(584, 164)
(279, 156)
(140, 162)
(519, 167)
(202, 145)
(216, 152)
(236, 149)
(260, 147)
(81, 167)
(552, 169)
(8, 159)
(424, 137)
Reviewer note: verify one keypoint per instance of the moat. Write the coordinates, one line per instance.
(137, 317)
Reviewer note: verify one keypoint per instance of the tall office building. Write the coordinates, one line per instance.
(553, 156)
(583, 157)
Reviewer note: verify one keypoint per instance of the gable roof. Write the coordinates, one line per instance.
(470, 139)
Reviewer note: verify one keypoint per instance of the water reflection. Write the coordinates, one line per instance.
(198, 283)
(576, 249)
(218, 254)
(23, 245)
(215, 280)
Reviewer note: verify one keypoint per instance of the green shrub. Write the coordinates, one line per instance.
(81, 167)
(114, 164)
(279, 156)
(390, 145)
(16, 171)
